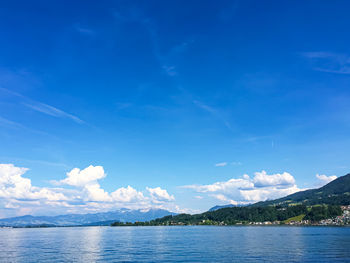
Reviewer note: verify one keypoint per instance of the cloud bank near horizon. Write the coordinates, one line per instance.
(80, 191)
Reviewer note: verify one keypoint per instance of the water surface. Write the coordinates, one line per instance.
(176, 244)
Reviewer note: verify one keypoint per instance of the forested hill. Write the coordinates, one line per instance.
(217, 207)
(336, 192)
(239, 215)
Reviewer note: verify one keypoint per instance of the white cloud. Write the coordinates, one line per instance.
(220, 197)
(87, 179)
(245, 176)
(262, 179)
(85, 194)
(221, 164)
(12, 183)
(14, 186)
(271, 192)
(160, 195)
(223, 186)
(89, 175)
(248, 190)
(94, 192)
(127, 195)
(324, 179)
(179, 210)
(225, 199)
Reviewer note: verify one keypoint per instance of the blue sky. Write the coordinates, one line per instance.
(171, 98)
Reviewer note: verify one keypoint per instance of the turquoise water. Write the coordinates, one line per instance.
(176, 244)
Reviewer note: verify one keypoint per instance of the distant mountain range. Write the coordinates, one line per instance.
(121, 215)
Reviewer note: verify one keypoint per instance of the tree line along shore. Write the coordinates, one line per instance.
(269, 215)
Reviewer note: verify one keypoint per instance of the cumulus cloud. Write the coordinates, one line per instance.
(324, 179)
(94, 192)
(87, 180)
(77, 177)
(84, 193)
(271, 192)
(159, 195)
(262, 179)
(14, 186)
(127, 195)
(248, 190)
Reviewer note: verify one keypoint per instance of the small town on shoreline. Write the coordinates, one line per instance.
(342, 220)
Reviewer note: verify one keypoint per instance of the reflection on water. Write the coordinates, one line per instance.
(12, 239)
(176, 244)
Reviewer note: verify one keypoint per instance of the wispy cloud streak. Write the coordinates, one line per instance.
(329, 62)
(17, 126)
(165, 59)
(84, 30)
(8, 123)
(43, 108)
(52, 111)
(214, 112)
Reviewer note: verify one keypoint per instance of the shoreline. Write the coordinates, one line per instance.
(246, 225)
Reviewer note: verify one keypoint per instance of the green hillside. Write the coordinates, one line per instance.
(336, 192)
(244, 215)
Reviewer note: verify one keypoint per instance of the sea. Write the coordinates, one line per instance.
(176, 244)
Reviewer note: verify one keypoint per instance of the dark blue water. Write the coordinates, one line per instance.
(176, 244)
